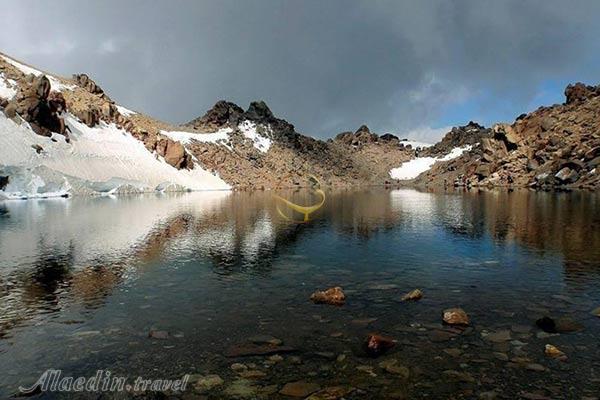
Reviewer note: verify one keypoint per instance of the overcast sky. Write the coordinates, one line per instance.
(409, 67)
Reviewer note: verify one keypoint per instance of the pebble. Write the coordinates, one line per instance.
(238, 367)
(535, 367)
(453, 352)
(275, 358)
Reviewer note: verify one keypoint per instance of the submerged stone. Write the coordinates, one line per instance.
(554, 352)
(253, 349)
(162, 335)
(498, 337)
(455, 316)
(334, 296)
(561, 325)
(413, 295)
(376, 345)
(299, 389)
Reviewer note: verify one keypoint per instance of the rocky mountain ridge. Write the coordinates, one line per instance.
(554, 146)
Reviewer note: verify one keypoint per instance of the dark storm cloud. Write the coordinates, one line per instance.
(326, 66)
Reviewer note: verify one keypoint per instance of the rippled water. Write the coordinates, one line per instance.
(83, 282)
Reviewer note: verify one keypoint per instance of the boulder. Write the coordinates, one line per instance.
(175, 154)
(567, 175)
(334, 296)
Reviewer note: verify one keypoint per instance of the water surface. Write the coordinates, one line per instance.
(83, 281)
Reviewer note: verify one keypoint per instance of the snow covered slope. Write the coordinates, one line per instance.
(103, 159)
(413, 168)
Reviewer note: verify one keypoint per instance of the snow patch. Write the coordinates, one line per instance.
(413, 168)
(125, 111)
(8, 87)
(55, 84)
(219, 137)
(261, 142)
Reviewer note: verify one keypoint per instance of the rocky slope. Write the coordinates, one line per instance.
(552, 147)
(265, 151)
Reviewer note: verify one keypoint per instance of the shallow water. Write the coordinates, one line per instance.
(84, 281)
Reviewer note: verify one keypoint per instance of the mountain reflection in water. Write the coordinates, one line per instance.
(65, 259)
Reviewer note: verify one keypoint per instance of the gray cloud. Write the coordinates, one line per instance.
(326, 66)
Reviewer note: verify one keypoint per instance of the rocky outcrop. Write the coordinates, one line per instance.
(579, 92)
(88, 84)
(223, 113)
(552, 147)
(40, 107)
(460, 136)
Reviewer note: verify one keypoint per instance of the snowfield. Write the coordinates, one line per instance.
(103, 159)
(413, 168)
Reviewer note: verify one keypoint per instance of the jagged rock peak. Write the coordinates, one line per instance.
(221, 114)
(259, 111)
(580, 91)
(363, 128)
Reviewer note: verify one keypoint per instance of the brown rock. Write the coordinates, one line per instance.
(175, 154)
(554, 352)
(334, 296)
(455, 316)
(376, 345)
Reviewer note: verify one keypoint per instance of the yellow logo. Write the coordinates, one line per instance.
(304, 210)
